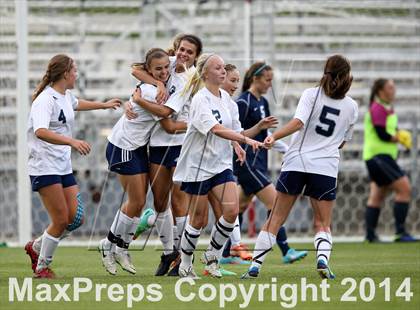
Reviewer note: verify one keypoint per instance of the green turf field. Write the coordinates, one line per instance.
(394, 261)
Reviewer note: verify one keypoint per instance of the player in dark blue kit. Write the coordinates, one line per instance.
(253, 177)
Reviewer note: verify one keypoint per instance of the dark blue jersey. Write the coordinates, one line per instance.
(251, 111)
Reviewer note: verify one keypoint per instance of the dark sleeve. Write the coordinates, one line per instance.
(382, 134)
(242, 109)
(267, 108)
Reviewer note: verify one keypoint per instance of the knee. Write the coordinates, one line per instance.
(230, 213)
(61, 222)
(403, 192)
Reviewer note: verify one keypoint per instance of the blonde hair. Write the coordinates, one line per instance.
(196, 81)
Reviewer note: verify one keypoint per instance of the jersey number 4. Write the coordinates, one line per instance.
(62, 117)
(327, 130)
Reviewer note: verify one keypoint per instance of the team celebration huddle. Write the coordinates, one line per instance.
(185, 135)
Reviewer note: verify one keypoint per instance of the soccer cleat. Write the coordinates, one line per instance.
(292, 256)
(166, 262)
(224, 272)
(241, 251)
(324, 270)
(44, 273)
(233, 260)
(32, 254)
(143, 224)
(405, 238)
(252, 273)
(124, 260)
(174, 269)
(108, 258)
(188, 273)
(212, 265)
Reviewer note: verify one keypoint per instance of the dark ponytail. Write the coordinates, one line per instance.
(337, 78)
(256, 69)
(153, 53)
(377, 86)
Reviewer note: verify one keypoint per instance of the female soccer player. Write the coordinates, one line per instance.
(165, 146)
(253, 176)
(127, 156)
(380, 152)
(322, 124)
(205, 162)
(50, 127)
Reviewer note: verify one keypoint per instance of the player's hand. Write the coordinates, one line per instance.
(136, 95)
(269, 142)
(404, 137)
(253, 143)
(240, 152)
(268, 122)
(81, 146)
(113, 104)
(128, 110)
(162, 94)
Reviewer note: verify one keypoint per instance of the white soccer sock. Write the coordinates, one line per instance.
(37, 244)
(188, 243)
(48, 246)
(220, 233)
(164, 223)
(235, 238)
(176, 236)
(181, 222)
(121, 228)
(136, 221)
(323, 245)
(265, 242)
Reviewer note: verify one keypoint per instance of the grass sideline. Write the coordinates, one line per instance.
(356, 260)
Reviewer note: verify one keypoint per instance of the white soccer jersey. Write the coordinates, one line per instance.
(55, 112)
(131, 134)
(330, 124)
(180, 105)
(204, 154)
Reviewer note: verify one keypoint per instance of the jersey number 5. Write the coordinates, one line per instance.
(328, 130)
(62, 117)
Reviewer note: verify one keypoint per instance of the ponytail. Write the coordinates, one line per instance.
(337, 79)
(57, 66)
(195, 81)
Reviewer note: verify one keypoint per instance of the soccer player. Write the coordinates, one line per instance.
(323, 122)
(127, 156)
(50, 140)
(380, 152)
(205, 162)
(164, 149)
(253, 176)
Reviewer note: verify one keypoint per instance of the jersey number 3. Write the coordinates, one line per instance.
(62, 117)
(327, 130)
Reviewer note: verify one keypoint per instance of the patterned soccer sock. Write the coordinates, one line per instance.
(180, 222)
(119, 233)
(188, 243)
(235, 238)
(220, 233)
(323, 245)
(264, 244)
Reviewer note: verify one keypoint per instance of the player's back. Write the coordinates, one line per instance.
(327, 124)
